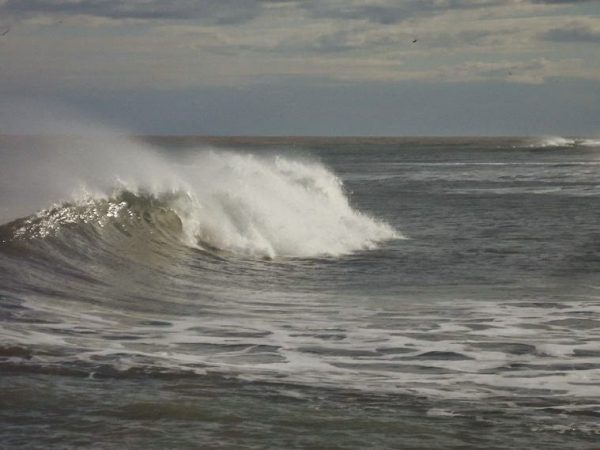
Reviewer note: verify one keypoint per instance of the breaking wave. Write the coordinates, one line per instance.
(263, 206)
(557, 141)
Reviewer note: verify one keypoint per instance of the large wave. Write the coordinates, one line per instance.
(249, 204)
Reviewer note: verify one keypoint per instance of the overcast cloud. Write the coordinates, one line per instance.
(575, 32)
(236, 11)
(66, 49)
(209, 11)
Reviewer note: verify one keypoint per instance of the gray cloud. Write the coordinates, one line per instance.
(224, 12)
(563, 2)
(387, 12)
(351, 39)
(210, 11)
(573, 32)
(383, 12)
(286, 39)
(239, 11)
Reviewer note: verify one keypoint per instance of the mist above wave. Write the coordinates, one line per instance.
(256, 205)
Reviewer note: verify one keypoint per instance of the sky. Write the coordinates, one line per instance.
(305, 67)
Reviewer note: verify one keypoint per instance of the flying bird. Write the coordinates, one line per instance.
(415, 40)
(5, 32)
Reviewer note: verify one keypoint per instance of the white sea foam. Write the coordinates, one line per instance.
(590, 142)
(272, 206)
(558, 141)
(555, 141)
(416, 352)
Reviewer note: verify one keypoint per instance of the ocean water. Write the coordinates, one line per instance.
(299, 293)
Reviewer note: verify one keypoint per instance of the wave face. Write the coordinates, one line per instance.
(260, 206)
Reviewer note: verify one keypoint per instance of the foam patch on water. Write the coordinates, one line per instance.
(476, 350)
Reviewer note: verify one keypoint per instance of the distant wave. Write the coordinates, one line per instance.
(259, 206)
(557, 141)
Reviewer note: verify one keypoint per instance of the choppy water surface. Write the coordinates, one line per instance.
(332, 293)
